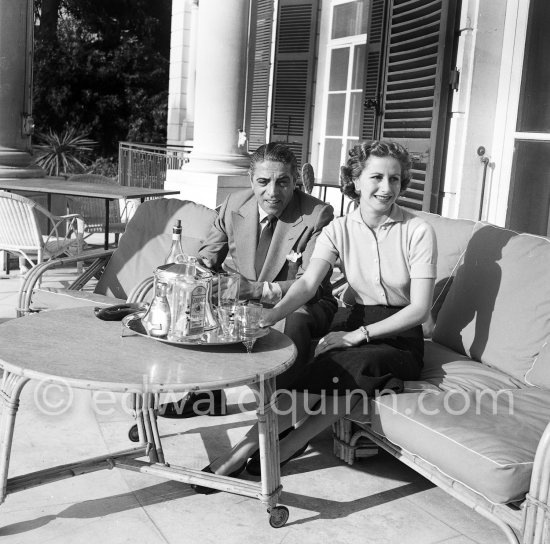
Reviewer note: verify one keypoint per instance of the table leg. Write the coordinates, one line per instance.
(268, 436)
(106, 243)
(12, 385)
(152, 410)
(137, 405)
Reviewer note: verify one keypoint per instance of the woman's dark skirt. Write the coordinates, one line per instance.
(379, 365)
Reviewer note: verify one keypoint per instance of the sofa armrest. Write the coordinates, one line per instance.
(34, 275)
(537, 513)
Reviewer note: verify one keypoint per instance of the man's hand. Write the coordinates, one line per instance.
(250, 289)
(247, 289)
(339, 339)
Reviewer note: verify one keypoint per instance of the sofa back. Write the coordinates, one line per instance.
(452, 237)
(497, 310)
(146, 242)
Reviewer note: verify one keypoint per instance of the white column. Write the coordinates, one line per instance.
(16, 27)
(220, 86)
(217, 165)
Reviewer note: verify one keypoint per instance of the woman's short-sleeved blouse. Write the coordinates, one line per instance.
(379, 266)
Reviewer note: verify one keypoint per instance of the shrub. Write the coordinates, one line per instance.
(106, 166)
(65, 152)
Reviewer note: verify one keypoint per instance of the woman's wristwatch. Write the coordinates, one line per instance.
(365, 332)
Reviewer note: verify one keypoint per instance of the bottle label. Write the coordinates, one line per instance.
(197, 310)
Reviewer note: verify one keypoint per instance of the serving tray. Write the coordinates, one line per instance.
(214, 337)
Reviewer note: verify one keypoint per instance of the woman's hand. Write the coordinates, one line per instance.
(339, 339)
(268, 318)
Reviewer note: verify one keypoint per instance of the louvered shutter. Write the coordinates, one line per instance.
(373, 77)
(259, 73)
(416, 90)
(293, 74)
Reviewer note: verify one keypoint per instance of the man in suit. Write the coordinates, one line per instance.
(267, 234)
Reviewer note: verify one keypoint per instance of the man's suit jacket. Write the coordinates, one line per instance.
(235, 233)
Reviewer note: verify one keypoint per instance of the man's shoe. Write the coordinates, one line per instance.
(202, 403)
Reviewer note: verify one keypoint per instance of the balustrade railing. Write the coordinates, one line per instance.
(145, 165)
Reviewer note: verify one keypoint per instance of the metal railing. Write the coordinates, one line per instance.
(145, 165)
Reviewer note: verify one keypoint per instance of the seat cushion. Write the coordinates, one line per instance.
(486, 440)
(448, 370)
(54, 299)
(498, 308)
(146, 242)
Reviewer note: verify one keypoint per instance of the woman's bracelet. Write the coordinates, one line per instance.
(365, 332)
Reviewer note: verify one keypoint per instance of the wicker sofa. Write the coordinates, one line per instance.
(477, 423)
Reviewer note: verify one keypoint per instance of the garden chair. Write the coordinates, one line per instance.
(21, 233)
(142, 248)
(92, 210)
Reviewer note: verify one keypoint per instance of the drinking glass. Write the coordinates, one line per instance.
(226, 317)
(228, 288)
(248, 319)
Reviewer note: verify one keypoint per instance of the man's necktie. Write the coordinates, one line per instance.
(264, 242)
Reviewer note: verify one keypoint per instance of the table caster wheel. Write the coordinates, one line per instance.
(278, 516)
(133, 433)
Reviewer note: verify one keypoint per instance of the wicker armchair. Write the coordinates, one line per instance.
(92, 210)
(123, 273)
(20, 232)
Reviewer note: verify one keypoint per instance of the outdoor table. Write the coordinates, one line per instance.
(60, 186)
(74, 348)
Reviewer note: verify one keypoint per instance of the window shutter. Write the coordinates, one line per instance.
(293, 74)
(416, 90)
(259, 73)
(373, 57)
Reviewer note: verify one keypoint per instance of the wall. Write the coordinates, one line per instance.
(474, 105)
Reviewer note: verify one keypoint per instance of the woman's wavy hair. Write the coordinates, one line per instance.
(276, 152)
(357, 161)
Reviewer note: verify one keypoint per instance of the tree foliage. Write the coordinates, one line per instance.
(101, 67)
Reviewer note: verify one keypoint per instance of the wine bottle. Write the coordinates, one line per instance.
(176, 253)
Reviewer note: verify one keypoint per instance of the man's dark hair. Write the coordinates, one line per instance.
(276, 152)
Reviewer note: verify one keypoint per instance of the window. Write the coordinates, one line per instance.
(529, 198)
(344, 85)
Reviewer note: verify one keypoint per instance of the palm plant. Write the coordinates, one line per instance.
(63, 152)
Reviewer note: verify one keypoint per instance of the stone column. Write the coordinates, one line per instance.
(16, 49)
(218, 164)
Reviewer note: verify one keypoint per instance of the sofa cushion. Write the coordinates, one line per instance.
(146, 242)
(448, 370)
(452, 237)
(44, 298)
(486, 441)
(498, 308)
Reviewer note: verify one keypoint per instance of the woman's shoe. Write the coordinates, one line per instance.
(253, 464)
(204, 490)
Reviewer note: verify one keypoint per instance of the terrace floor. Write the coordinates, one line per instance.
(377, 500)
